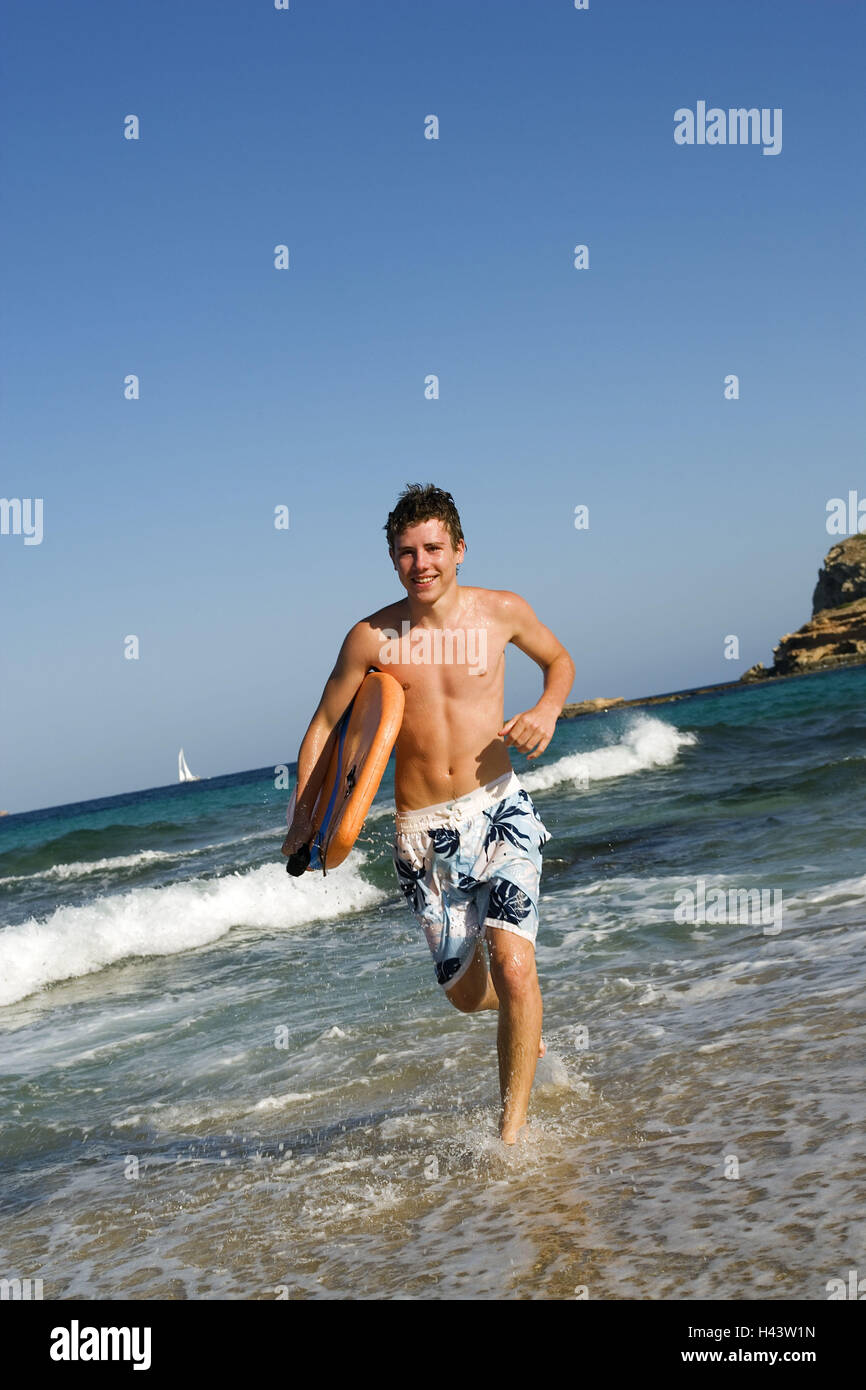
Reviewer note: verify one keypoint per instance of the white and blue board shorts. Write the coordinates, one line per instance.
(470, 864)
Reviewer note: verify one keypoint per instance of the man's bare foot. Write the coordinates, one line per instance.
(509, 1133)
(542, 1047)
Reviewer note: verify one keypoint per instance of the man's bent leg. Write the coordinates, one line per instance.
(515, 981)
(474, 990)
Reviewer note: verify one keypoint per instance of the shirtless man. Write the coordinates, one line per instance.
(468, 839)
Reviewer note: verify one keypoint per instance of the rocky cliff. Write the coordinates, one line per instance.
(835, 635)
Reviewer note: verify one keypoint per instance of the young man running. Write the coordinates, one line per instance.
(468, 841)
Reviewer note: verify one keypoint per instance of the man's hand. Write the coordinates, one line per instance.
(530, 732)
(533, 729)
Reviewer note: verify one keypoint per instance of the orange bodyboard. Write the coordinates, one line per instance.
(366, 735)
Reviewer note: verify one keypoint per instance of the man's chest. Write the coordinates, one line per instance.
(454, 663)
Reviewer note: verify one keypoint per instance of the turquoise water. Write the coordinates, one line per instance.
(218, 1081)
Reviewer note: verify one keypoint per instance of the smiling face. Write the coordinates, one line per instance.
(426, 560)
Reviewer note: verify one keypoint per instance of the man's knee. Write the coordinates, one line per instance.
(512, 965)
(466, 1006)
(466, 994)
(469, 993)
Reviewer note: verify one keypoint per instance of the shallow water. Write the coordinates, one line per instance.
(220, 1082)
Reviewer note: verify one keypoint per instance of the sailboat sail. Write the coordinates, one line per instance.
(183, 772)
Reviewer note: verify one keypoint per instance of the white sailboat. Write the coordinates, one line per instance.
(183, 772)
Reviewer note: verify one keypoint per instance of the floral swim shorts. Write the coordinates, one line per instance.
(468, 865)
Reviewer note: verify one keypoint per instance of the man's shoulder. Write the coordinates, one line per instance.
(497, 603)
(383, 618)
(386, 616)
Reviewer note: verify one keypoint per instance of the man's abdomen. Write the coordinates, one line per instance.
(426, 778)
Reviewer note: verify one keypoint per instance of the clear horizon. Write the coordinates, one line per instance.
(241, 772)
(410, 257)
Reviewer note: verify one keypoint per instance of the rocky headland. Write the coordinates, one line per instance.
(835, 635)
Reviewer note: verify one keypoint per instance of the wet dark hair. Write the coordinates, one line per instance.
(418, 503)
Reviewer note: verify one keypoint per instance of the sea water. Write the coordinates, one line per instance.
(218, 1081)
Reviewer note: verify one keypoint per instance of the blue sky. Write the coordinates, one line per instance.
(408, 256)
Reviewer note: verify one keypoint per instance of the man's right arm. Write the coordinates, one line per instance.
(318, 743)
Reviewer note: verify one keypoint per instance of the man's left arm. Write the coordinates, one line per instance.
(531, 731)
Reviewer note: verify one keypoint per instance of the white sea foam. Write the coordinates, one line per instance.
(646, 742)
(290, 1098)
(75, 941)
(80, 868)
(144, 857)
(551, 1073)
(850, 889)
(729, 1040)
